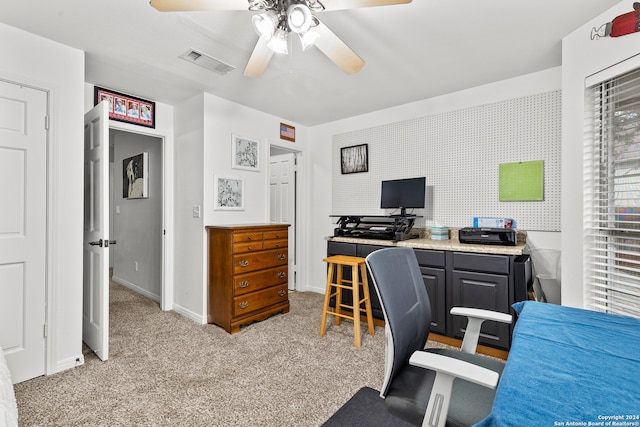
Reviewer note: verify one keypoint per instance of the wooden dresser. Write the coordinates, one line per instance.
(248, 273)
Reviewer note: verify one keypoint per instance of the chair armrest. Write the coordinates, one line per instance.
(447, 369)
(482, 314)
(455, 367)
(476, 317)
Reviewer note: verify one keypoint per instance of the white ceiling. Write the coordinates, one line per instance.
(412, 52)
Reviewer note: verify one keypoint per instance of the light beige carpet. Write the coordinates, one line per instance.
(164, 370)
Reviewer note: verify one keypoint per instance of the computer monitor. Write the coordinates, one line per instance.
(403, 193)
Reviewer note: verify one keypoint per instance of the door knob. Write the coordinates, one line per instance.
(98, 243)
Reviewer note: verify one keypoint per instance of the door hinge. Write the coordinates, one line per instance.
(45, 330)
(46, 122)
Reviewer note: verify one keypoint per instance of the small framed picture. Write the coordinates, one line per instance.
(287, 132)
(229, 192)
(127, 108)
(355, 159)
(135, 177)
(245, 153)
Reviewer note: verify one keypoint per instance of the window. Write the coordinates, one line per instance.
(612, 195)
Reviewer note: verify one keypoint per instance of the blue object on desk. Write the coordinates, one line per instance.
(568, 365)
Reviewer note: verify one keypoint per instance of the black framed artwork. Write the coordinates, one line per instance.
(354, 159)
(135, 177)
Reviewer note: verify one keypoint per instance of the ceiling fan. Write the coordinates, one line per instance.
(276, 19)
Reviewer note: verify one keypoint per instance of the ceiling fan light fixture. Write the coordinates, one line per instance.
(308, 38)
(265, 23)
(278, 42)
(299, 18)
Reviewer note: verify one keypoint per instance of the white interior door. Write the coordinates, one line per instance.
(23, 201)
(95, 299)
(282, 200)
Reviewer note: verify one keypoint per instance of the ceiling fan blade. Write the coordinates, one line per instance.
(353, 4)
(198, 5)
(341, 54)
(259, 59)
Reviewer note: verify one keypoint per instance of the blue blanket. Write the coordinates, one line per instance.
(567, 367)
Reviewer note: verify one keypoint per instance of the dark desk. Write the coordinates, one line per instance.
(569, 367)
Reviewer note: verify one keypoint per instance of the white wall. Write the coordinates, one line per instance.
(189, 166)
(582, 57)
(321, 142)
(63, 77)
(204, 128)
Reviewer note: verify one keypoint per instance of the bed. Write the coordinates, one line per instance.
(569, 366)
(8, 408)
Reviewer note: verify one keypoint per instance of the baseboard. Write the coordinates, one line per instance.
(136, 288)
(69, 363)
(195, 317)
(320, 290)
(202, 320)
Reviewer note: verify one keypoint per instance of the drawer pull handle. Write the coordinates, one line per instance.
(282, 293)
(244, 304)
(277, 245)
(244, 263)
(277, 235)
(249, 248)
(281, 256)
(244, 284)
(249, 238)
(282, 274)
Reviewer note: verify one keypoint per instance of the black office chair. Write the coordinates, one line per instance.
(432, 387)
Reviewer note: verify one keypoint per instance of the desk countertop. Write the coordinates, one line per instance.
(442, 245)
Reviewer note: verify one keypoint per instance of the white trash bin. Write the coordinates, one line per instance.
(546, 268)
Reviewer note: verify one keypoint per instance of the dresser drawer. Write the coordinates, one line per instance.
(248, 303)
(275, 244)
(279, 234)
(247, 237)
(245, 263)
(247, 247)
(245, 283)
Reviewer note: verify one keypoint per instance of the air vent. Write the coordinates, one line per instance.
(206, 61)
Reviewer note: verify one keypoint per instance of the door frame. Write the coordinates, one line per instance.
(47, 355)
(300, 283)
(50, 366)
(167, 286)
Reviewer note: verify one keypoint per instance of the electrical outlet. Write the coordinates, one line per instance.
(135, 265)
(196, 211)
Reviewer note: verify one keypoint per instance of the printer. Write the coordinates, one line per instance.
(487, 236)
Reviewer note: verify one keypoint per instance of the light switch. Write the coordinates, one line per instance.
(117, 209)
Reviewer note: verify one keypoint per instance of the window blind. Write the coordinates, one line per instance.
(612, 195)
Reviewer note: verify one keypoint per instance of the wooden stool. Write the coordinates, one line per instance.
(358, 278)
